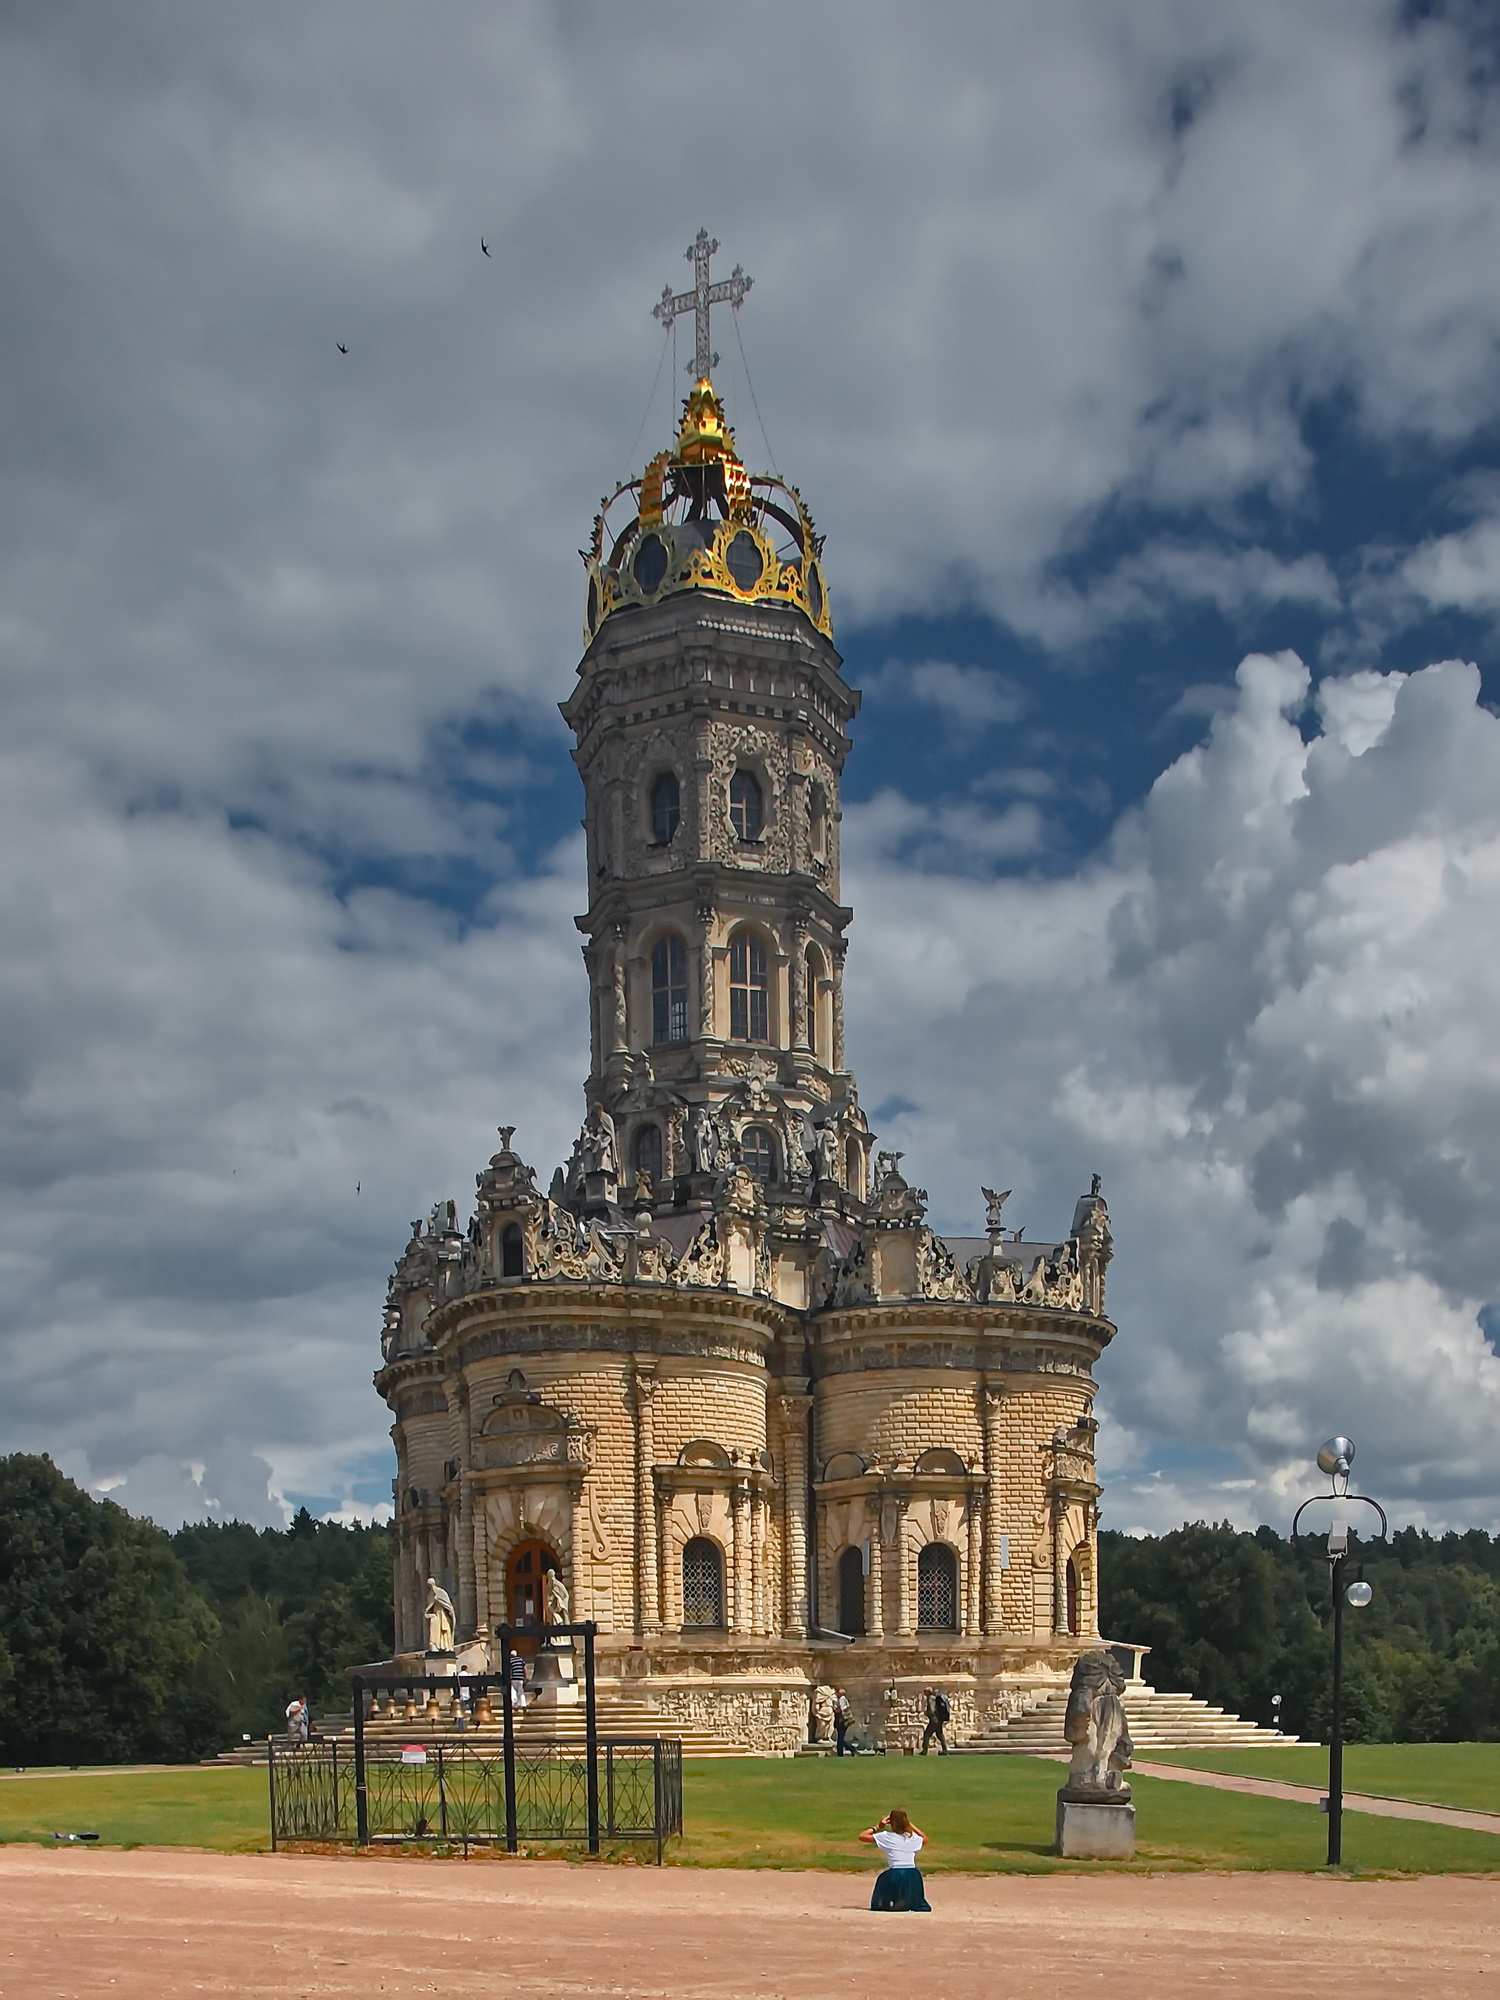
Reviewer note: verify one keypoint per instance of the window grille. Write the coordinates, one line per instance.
(747, 811)
(666, 808)
(758, 1151)
(648, 1151)
(702, 1584)
(669, 990)
(937, 1589)
(749, 1010)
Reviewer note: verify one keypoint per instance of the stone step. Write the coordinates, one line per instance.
(1158, 1721)
(615, 1719)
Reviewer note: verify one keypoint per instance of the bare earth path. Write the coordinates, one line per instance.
(161, 1925)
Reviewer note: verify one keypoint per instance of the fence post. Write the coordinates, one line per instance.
(656, 1776)
(509, 1739)
(361, 1793)
(442, 1796)
(591, 1733)
(271, 1781)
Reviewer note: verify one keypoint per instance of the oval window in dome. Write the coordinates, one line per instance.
(744, 560)
(650, 564)
(815, 592)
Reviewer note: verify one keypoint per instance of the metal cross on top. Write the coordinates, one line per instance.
(727, 292)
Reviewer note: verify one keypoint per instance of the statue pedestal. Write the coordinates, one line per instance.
(552, 1682)
(1095, 1830)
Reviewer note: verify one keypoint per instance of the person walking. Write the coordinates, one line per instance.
(298, 1722)
(938, 1713)
(841, 1716)
(517, 1683)
(899, 1885)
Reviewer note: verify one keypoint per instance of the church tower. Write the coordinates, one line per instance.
(710, 717)
(723, 1389)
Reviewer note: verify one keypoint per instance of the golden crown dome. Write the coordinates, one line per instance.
(696, 519)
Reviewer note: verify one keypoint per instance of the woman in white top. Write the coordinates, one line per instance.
(899, 1885)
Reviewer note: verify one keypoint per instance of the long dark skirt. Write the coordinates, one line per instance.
(899, 1889)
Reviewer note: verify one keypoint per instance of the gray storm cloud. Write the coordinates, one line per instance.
(1014, 265)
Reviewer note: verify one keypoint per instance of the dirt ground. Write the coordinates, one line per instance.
(165, 1924)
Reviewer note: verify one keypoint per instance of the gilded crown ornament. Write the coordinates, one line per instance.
(696, 518)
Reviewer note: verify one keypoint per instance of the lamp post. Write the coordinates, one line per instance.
(1335, 1459)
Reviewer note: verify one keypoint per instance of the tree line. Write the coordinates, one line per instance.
(1239, 1618)
(121, 1643)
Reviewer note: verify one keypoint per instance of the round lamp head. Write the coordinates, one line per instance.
(1359, 1594)
(1336, 1456)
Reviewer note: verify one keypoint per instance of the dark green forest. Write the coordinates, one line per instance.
(1238, 1618)
(119, 1642)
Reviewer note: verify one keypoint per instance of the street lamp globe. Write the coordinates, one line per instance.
(1336, 1457)
(1359, 1594)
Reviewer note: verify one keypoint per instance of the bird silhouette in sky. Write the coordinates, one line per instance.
(484, 246)
(356, 1187)
(341, 347)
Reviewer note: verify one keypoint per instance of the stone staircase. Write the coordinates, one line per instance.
(618, 1715)
(1157, 1722)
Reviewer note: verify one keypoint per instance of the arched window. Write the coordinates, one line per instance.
(666, 808)
(702, 1584)
(813, 968)
(937, 1589)
(749, 1010)
(854, 1168)
(1072, 1582)
(648, 1151)
(512, 1251)
(758, 1151)
(852, 1593)
(669, 989)
(747, 810)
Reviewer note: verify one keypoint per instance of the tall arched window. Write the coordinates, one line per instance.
(758, 1151)
(813, 974)
(702, 1584)
(648, 1151)
(669, 989)
(854, 1168)
(937, 1589)
(1072, 1584)
(852, 1593)
(747, 810)
(512, 1251)
(749, 1008)
(666, 808)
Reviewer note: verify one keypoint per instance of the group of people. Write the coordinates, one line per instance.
(936, 1714)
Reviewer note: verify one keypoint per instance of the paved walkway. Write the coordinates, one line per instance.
(154, 1924)
(1361, 1802)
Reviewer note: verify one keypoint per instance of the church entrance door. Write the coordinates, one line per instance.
(525, 1587)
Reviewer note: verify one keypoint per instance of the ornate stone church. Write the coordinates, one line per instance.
(721, 1380)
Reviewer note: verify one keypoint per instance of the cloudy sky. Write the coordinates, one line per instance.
(1139, 360)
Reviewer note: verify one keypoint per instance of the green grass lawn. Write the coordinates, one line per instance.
(1439, 1774)
(193, 1806)
(988, 1814)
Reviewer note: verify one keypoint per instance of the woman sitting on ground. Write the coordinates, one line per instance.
(899, 1884)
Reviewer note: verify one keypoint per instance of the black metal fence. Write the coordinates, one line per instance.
(456, 1793)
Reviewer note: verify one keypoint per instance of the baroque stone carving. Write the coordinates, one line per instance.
(1094, 1724)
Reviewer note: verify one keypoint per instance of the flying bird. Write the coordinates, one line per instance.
(484, 246)
(356, 1187)
(341, 347)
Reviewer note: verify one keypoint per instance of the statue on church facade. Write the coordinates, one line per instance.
(441, 1620)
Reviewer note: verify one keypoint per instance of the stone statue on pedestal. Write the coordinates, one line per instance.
(441, 1620)
(558, 1600)
(821, 1722)
(1094, 1724)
